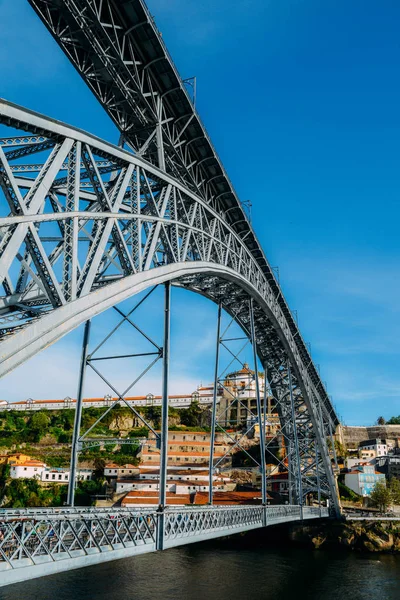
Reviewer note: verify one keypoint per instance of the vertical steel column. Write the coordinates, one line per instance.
(164, 419)
(78, 416)
(214, 410)
(333, 444)
(159, 137)
(321, 420)
(318, 477)
(296, 441)
(258, 399)
(265, 427)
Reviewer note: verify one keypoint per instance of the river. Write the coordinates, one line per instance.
(225, 570)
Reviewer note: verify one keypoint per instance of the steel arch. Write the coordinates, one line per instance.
(116, 225)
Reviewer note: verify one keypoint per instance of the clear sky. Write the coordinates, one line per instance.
(301, 99)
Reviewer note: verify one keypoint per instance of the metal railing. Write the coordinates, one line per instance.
(41, 541)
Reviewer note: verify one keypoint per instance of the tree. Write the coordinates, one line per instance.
(394, 421)
(394, 487)
(99, 464)
(190, 417)
(38, 425)
(380, 421)
(341, 450)
(381, 496)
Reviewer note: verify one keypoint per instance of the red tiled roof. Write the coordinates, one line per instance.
(191, 453)
(30, 463)
(153, 498)
(223, 498)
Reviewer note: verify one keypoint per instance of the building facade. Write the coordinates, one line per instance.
(362, 479)
(377, 446)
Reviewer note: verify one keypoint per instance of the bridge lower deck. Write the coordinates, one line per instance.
(39, 542)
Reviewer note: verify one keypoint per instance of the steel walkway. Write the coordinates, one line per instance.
(39, 542)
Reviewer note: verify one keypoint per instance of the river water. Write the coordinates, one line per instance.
(225, 570)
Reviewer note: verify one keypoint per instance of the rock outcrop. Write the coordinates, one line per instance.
(367, 536)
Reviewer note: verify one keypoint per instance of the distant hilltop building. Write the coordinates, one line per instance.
(236, 397)
(178, 401)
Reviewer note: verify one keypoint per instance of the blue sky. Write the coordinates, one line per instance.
(301, 99)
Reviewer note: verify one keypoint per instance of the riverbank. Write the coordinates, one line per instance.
(333, 536)
(361, 536)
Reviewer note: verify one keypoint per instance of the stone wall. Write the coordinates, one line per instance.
(352, 436)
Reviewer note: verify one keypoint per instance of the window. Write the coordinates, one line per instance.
(47, 475)
(59, 477)
(53, 476)
(25, 469)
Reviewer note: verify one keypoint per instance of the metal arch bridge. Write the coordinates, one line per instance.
(85, 224)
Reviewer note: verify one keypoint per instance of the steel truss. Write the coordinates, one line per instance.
(73, 245)
(119, 52)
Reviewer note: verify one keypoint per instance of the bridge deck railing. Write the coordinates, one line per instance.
(30, 537)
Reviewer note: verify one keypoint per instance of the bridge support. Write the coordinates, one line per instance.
(299, 490)
(260, 419)
(164, 419)
(214, 408)
(78, 416)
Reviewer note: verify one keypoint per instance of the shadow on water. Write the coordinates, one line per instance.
(238, 567)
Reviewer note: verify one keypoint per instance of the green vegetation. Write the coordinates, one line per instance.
(19, 493)
(381, 496)
(394, 487)
(18, 427)
(393, 421)
(347, 494)
(341, 450)
(50, 427)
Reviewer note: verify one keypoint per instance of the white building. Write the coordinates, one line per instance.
(111, 471)
(59, 475)
(35, 469)
(174, 487)
(30, 469)
(350, 463)
(362, 479)
(377, 446)
(175, 400)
